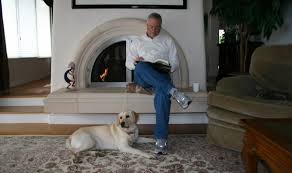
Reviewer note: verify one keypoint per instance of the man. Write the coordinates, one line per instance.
(155, 45)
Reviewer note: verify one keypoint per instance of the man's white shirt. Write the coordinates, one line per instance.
(160, 47)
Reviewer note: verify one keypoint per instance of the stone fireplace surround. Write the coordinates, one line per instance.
(112, 32)
(86, 100)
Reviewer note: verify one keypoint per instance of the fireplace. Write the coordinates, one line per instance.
(82, 35)
(100, 59)
(109, 68)
(106, 43)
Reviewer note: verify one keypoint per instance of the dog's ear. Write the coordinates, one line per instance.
(118, 118)
(136, 115)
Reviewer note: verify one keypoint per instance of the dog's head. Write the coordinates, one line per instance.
(127, 119)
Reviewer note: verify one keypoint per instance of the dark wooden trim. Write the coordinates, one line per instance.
(148, 129)
(184, 6)
(67, 129)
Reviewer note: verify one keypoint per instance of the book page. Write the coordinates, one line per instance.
(161, 61)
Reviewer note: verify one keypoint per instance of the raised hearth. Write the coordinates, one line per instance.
(114, 100)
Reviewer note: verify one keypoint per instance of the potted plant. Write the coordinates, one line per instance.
(250, 17)
(230, 35)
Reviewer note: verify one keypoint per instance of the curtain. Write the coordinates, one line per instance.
(4, 71)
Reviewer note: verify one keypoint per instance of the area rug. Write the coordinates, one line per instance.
(187, 154)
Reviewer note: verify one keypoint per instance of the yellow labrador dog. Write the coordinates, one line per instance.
(118, 136)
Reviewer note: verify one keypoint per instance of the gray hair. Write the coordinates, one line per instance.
(155, 16)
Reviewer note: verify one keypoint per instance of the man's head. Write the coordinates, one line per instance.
(154, 22)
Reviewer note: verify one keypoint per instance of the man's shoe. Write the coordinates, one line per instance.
(183, 100)
(161, 146)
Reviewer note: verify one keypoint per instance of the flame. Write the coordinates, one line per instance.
(105, 73)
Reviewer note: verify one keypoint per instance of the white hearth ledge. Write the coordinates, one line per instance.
(113, 100)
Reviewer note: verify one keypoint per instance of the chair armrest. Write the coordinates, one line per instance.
(242, 85)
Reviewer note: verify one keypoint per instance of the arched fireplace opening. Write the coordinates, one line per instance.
(109, 67)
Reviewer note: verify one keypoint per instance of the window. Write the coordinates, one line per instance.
(221, 36)
(27, 28)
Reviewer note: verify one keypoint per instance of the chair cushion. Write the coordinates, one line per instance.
(237, 86)
(271, 68)
(252, 106)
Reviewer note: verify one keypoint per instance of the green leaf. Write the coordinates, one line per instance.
(264, 16)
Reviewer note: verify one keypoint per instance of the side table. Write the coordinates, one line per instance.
(269, 140)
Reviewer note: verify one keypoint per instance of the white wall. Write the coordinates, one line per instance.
(24, 70)
(284, 34)
(71, 25)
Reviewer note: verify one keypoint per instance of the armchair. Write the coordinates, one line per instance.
(265, 93)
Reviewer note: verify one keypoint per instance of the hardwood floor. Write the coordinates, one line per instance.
(62, 129)
(21, 109)
(39, 88)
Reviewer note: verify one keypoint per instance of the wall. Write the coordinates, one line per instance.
(284, 34)
(24, 70)
(211, 37)
(71, 25)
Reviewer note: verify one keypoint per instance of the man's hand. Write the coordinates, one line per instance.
(137, 59)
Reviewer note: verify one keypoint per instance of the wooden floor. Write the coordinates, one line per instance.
(38, 88)
(61, 129)
(21, 109)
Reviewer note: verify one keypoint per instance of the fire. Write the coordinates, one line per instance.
(105, 73)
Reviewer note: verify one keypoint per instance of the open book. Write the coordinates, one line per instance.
(161, 65)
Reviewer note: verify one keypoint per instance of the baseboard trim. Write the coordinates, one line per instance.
(40, 129)
(148, 129)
